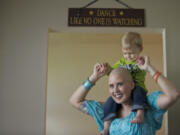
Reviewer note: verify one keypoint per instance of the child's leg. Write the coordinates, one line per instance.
(106, 128)
(139, 104)
(110, 109)
(139, 117)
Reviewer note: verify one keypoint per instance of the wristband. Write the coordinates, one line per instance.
(87, 84)
(156, 76)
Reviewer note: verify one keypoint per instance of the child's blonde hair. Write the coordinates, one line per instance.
(130, 39)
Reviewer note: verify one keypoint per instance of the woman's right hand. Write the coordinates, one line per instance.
(78, 97)
(99, 71)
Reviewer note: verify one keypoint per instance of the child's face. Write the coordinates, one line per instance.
(131, 54)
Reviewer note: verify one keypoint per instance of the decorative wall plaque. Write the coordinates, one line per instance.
(106, 17)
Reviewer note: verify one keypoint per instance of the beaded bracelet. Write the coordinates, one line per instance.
(87, 84)
(156, 76)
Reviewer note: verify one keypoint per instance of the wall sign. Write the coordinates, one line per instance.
(106, 17)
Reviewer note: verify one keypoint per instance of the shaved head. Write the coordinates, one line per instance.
(123, 72)
(121, 85)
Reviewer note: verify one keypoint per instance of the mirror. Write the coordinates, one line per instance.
(71, 56)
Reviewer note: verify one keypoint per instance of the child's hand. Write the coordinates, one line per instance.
(108, 68)
(140, 60)
(143, 62)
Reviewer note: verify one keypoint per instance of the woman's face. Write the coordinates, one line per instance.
(120, 88)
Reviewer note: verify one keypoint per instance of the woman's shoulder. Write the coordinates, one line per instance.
(155, 93)
(154, 113)
(152, 99)
(95, 104)
(102, 103)
(96, 110)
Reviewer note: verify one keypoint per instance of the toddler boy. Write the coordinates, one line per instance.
(131, 49)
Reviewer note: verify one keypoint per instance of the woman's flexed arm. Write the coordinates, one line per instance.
(78, 97)
(170, 92)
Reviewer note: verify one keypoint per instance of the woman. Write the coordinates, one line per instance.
(120, 88)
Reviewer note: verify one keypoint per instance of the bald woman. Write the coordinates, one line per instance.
(120, 89)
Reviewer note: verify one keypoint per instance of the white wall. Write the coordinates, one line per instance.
(23, 43)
